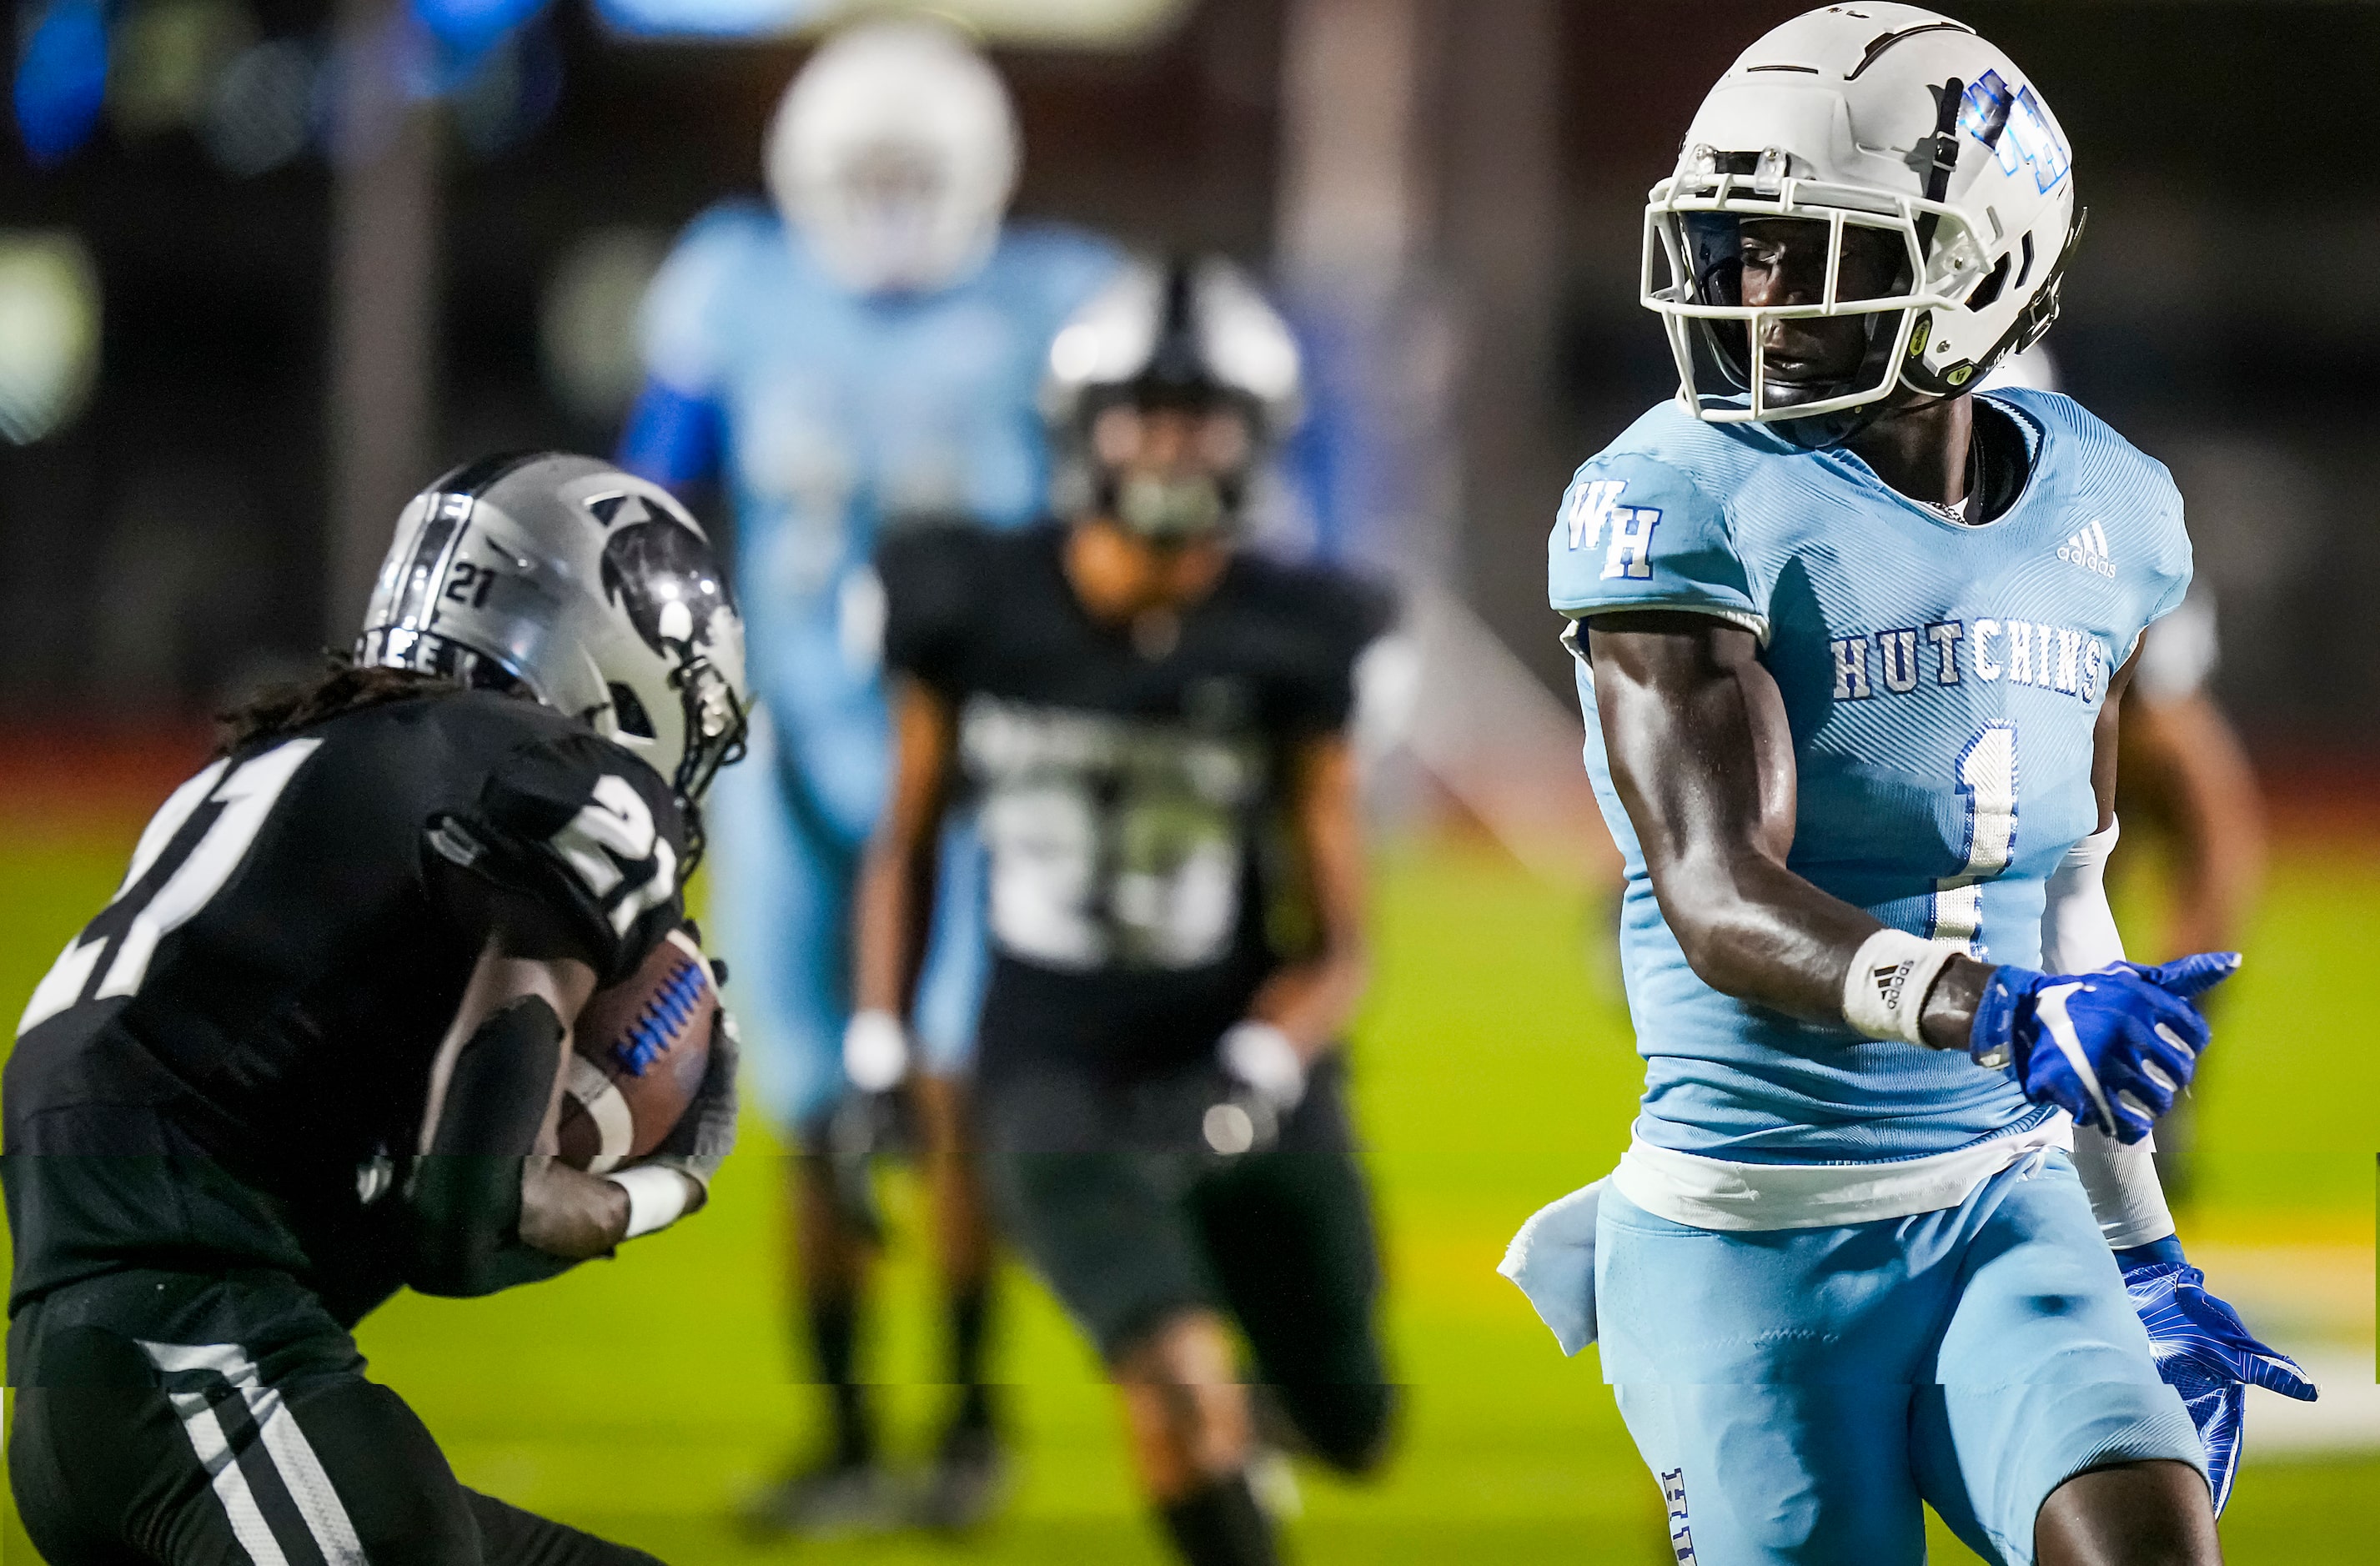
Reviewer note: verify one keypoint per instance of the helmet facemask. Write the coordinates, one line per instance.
(1696, 230)
(883, 216)
(1171, 465)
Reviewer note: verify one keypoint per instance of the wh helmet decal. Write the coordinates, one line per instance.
(1881, 120)
(591, 590)
(2015, 128)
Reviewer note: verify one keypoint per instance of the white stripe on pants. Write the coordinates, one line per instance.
(285, 1446)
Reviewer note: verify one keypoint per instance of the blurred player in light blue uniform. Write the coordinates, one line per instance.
(1850, 643)
(865, 356)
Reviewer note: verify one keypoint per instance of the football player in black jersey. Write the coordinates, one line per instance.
(1152, 722)
(311, 1051)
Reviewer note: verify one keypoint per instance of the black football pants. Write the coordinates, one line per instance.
(1098, 1183)
(165, 1419)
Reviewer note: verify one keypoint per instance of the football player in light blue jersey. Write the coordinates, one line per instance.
(865, 356)
(1851, 641)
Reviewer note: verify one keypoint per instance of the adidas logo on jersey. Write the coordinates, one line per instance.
(2088, 549)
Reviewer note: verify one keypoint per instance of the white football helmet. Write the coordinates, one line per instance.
(1195, 331)
(1878, 116)
(894, 154)
(2034, 370)
(590, 588)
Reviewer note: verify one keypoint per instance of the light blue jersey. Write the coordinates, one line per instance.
(831, 414)
(1941, 683)
(827, 416)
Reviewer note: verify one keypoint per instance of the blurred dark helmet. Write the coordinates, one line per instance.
(1195, 338)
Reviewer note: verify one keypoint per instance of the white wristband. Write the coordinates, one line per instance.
(1890, 975)
(875, 1052)
(1262, 1056)
(658, 1196)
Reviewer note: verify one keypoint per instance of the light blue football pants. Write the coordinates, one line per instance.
(1798, 1391)
(781, 882)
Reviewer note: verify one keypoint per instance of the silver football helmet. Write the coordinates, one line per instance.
(1191, 332)
(590, 588)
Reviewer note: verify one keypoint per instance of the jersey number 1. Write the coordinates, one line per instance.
(187, 853)
(1988, 780)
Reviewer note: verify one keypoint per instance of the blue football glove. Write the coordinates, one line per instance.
(2111, 1048)
(2204, 1351)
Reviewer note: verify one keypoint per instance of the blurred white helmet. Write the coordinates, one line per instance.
(894, 153)
(1193, 331)
(1875, 116)
(589, 588)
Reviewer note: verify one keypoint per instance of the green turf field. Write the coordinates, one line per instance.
(638, 1397)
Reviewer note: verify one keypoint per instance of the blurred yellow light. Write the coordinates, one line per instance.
(1115, 24)
(167, 56)
(586, 322)
(49, 332)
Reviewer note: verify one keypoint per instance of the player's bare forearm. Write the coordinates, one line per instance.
(569, 1214)
(895, 899)
(1702, 758)
(1312, 1001)
(2196, 761)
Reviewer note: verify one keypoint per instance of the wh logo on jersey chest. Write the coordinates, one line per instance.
(2089, 550)
(1594, 504)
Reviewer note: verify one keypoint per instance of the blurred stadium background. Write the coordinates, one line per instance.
(268, 265)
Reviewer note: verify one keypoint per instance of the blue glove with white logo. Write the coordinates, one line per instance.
(2204, 1351)
(2111, 1048)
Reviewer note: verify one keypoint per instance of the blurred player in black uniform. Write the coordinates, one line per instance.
(309, 1053)
(1154, 725)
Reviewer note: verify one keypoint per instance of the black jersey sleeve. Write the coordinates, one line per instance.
(589, 833)
(1345, 615)
(933, 581)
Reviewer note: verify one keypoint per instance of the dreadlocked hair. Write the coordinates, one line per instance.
(341, 688)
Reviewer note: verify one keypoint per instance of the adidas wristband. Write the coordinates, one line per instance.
(1891, 975)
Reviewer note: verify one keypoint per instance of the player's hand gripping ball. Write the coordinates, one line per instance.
(2112, 1047)
(639, 1052)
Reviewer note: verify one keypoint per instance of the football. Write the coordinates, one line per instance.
(640, 1051)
